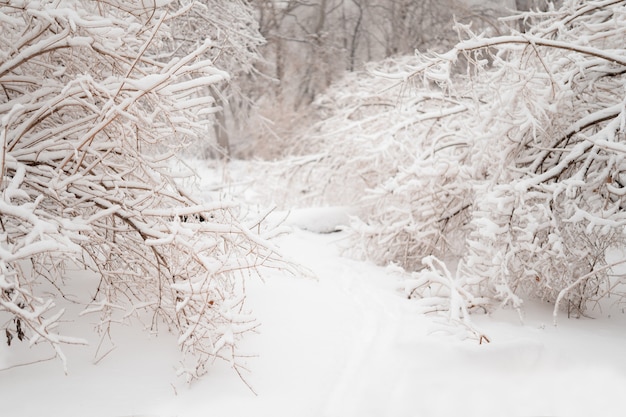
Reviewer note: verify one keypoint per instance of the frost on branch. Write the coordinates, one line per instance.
(92, 111)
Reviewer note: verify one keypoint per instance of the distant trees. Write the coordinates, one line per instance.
(315, 41)
(96, 99)
(310, 44)
(234, 35)
(493, 171)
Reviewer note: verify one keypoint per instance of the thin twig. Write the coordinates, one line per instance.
(27, 363)
(565, 290)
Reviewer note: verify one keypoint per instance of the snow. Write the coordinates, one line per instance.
(341, 340)
(318, 219)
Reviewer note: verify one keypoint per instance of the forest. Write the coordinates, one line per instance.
(156, 155)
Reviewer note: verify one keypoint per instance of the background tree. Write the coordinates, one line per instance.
(235, 39)
(310, 44)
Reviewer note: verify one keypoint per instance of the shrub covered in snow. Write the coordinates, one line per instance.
(504, 156)
(93, 107)
(547, 157)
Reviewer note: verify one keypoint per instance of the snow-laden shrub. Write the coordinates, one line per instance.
(364, 134)
(503, 157)
(380, 137)
(547, 158)
(92, 110)
(563, 119)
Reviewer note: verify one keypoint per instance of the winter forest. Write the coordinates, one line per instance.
(325, 208)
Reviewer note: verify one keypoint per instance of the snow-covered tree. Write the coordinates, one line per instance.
(94, 106)
(503, 157)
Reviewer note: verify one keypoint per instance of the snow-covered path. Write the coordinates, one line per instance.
(355, 347)
(345, 343)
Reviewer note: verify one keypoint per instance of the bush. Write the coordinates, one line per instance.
(492, 172)
(93, 109)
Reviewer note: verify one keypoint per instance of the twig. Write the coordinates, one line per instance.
(28, 363)
(565, 290)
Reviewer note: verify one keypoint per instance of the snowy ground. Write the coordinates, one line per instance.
(342, 343)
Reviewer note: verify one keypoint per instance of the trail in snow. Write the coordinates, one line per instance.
(349, 344)
(344, 342)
